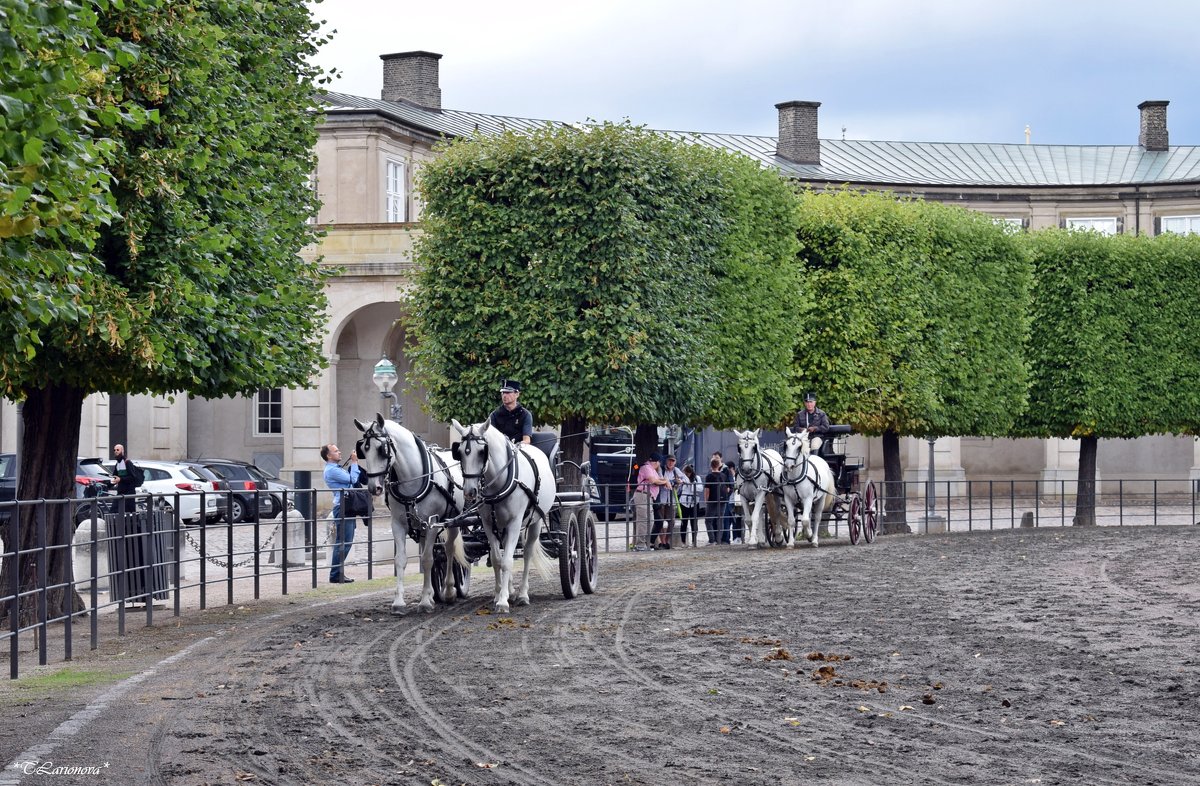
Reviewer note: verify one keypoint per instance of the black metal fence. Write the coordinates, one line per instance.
(142, 560)
(133, 557)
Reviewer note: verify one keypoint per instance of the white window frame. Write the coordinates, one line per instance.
(1105, 225)
(1183, 225)
(268, 412)
(395, 191)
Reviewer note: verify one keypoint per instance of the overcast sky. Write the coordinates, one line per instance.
(910, 70)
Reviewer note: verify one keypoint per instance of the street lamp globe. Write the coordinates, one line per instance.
(385, 379)
(385, 376)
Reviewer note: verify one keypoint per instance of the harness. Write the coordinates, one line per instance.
(511, 483)
(795, 482)
(392, 484)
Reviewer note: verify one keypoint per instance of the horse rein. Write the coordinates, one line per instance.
(510, 482)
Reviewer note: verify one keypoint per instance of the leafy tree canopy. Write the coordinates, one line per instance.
(155, 195)
(595, 265)
(1114, 347)
(918, 322)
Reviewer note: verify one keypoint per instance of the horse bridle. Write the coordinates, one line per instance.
(758, 469)
(510, 483)
(393, 483)
(803, 469)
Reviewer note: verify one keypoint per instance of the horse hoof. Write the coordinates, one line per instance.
(425, 608)
(399, 611)
(501, 608)
(522, 601)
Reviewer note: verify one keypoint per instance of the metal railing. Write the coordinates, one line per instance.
(133, 555)
(122, 565)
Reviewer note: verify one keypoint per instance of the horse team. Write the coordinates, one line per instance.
(513, 488)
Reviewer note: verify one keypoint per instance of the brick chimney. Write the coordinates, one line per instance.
(798, 132)
(1153, 133)
(412, 77)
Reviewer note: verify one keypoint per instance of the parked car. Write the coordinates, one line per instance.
(168, 478)
(91, 480)
(220, 485)
(246, 480)
(610, 458)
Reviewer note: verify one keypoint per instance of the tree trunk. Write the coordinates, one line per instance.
(895, 511)
(645, 441)
(573, 432)
(1085, 494)
(48, 454)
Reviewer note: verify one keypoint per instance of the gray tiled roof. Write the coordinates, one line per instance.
(857, 161)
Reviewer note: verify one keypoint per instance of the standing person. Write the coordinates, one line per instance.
(727, 517)
(812, 420)
(668, 498)
(340, 479)
(129, 477)
(716, 490)
(513, 419)
(645, 501)
(690, 497)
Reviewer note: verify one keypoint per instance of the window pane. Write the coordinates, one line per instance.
(1183, 225)
(396, 198)
(1105, 226)
(268, 411)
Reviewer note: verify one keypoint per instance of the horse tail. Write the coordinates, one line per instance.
(535, 553)
(459, 554)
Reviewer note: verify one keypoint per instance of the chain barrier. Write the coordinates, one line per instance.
(220, 563)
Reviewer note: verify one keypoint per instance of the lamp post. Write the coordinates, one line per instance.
(385, 379)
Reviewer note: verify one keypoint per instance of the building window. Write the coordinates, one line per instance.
(268, 412)
(1105, 226)
(1181, 225)
(1011, 224)
(396, 196)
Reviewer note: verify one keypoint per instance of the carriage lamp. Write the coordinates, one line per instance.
(385, 379)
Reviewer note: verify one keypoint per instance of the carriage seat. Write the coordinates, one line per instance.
(547, 442)
(835, 431)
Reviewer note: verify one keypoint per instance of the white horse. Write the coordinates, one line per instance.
(419, 483)
(760, 471)
(807, 482)
(514, 487)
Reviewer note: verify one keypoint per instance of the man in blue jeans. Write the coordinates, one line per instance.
(340, 479)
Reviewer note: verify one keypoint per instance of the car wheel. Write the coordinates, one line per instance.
(237, 510)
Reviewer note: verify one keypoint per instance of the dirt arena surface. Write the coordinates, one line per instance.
(1048, 656)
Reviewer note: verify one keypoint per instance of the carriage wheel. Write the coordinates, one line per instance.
(438, 573)
(854, 519)
(462, 580)
(871, 514)
(590, 555)
(568, 558)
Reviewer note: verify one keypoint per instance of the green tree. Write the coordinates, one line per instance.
(182, 273)
(1114, 349)
(600, 267)
(904, 337)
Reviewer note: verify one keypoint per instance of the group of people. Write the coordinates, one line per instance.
(663, 495)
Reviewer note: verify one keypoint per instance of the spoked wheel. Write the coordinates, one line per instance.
(870, 515)
(589, 555)
(438, 573)
(854, 518)
(569, 561)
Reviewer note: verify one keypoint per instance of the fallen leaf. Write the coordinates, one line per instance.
(485, 765)
(904, 707)
(1058, 723)
(726, 730)
(863, 708)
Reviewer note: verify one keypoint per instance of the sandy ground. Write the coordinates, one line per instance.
(1045, 656)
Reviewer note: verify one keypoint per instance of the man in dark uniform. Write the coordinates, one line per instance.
(812, 420)
(513, 420)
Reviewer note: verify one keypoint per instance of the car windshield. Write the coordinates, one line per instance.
(7, 465)
(93, 469)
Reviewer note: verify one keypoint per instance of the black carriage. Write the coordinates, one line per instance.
(570, 536)
(860, 508)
